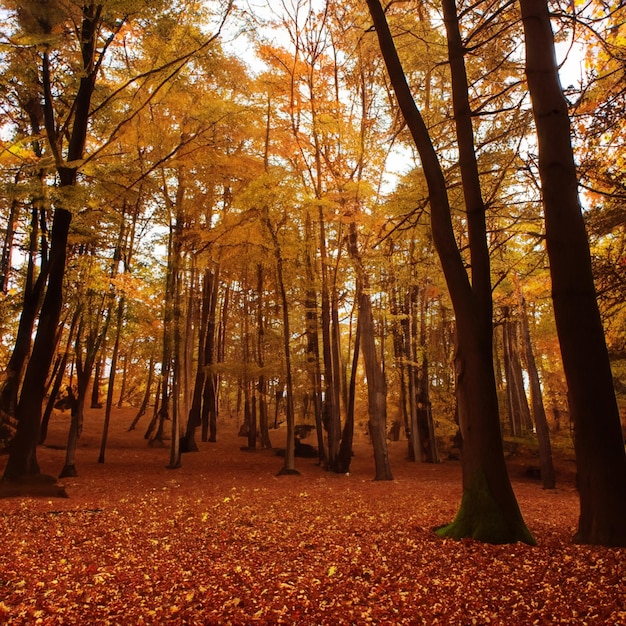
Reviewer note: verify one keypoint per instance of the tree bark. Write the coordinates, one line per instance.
(598, 441)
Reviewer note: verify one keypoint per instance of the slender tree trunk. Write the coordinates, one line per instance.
(7, 245)
(210, 394)
(425, 422)
(146, 396)
(410, 341)
(344, 459)
(290, 466)
(58, 380)
(109, 402)
(548, 477)
(519, 412)
(95, 389)
(313, 349)
(598, 441)
(331, 414)
(194, 418)
(262, 383)
(376, 390)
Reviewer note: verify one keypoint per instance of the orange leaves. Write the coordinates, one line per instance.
(225, 541)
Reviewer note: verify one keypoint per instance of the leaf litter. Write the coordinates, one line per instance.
(223, 540)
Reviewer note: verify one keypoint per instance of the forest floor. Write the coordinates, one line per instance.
(224, 540)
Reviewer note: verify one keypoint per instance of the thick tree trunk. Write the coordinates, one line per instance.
(22, 461)
(598, 442)
(33, 293)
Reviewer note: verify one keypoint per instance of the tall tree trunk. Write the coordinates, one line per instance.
(22, 461)
(262, 382)
(210, 395)
(376, 389)
(425, 422)
(548, 477)
(58, 380)
(33, 293)
(289, 466)
(7, 245)
(313, 349)
(598, 441)
(409, 325)
(344, 459)
(519, 412)
(489, 510)
(97, 380)
(109, 401)
(194, 417)
(331, 408)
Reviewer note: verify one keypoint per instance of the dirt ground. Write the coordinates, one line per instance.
(224, 540)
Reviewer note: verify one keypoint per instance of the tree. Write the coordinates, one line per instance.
(598, 441)
(22, 460)
(489, 510)
(67, 93)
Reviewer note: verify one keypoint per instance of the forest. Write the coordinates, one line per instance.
(382, 238)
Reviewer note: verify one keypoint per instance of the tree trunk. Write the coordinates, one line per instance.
(598, 441)
(519, 412)
(290, 466)
(376, 390)
(109, 401)
(194, 418)
(33, 293)
(22, 461)
(331, 409)
(146, 395)
(425, 422)
(489, 511)
(344, 458)
(58, 380)
(548, 478)
(313, 350)
(262, 383)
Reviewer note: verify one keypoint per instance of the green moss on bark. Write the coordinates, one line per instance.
(480, 517)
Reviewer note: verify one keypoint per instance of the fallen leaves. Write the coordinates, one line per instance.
(227, 542)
